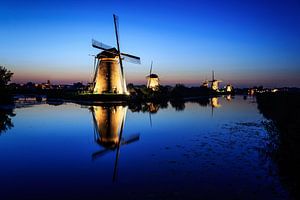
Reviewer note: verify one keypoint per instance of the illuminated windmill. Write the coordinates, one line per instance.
(152, 80)
(109, 73)
(108, 131)
(228, 88)
(214, 83)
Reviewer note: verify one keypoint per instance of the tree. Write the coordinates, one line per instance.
(5, 76)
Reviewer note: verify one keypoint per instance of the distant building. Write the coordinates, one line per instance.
(44, 86)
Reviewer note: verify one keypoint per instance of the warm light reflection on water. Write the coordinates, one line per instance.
(75, 152)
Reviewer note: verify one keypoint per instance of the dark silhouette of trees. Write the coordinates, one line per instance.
(5, 120)
(5, 76)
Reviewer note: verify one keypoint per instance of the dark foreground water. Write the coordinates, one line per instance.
(201, 150)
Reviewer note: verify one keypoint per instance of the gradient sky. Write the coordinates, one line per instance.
(247, 43)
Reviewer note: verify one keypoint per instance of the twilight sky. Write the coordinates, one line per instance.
(247, 42)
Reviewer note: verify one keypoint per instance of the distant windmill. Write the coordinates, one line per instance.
(109, 123)
(152, 80)
(214, 82)
(109, 73)
(228, 88)
(205, 83)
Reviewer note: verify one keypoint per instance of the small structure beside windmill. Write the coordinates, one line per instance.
(214, 83)
(109, 77)
(152, 80)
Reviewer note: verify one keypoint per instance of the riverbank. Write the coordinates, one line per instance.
(283, 111)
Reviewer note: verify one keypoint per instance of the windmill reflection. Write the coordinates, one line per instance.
(151, 108)
(228, 97)
(108, 131)
(214, 102)
(5, 119)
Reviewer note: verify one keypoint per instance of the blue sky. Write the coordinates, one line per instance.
(246, 42)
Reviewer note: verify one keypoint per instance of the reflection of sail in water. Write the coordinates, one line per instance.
(214, 104)
(109, 123)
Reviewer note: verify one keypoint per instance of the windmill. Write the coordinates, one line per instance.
(205, 83)
(152, 80)
(109, 74)
(214, 83)
(108, 131)
(228, 88)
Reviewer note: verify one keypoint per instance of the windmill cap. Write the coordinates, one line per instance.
(153, 76)
(109, 53)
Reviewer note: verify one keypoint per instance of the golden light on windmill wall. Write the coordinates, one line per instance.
(109, 77)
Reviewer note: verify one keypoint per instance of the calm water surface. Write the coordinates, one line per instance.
(190, 151)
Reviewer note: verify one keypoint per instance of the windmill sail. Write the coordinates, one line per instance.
(151, 68)
(116, 23)
(95, 73)
(100, 45)
(100, 153)
(131, 139)
(131, 58)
